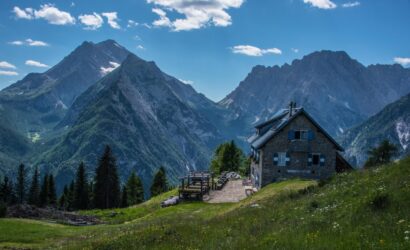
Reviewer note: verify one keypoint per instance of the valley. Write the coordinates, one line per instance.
(103, 94)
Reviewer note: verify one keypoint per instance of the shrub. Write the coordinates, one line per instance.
(3, 210)
(380, 201)
(323, 182)
(314, 204)
(307, 190)
(294, 194)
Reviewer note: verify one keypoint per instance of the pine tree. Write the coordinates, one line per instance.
(91, 195)
(140, 191)
(227, 157)
(124, 197)
(107, 188)
(52, 196)
(135, 190)
(159, 183)
(62, 202)
(6, 190)
(21, 184)
(34, 193)
(70, 196)
(81, 198)
(381, 154)
(1, 192)
(44, 192)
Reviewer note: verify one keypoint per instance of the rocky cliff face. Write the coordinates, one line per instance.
(392, 123)
(338, 91)
(40, 100)
(149, 119)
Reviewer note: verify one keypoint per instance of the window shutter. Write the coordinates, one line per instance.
(275, 159)
(311, 135)
(291, 135)
(322, 160)
(287, 159)
(309, 162)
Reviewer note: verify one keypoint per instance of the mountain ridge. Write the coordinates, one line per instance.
(391, 123)
(325, 83)
(136, 111)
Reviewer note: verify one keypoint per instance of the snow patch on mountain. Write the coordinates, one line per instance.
(226, 102)
(403, 132)
(60, 105)
(106, 70)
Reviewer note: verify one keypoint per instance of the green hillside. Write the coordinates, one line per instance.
(358, 210)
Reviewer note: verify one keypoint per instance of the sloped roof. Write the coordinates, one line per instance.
(277, 123)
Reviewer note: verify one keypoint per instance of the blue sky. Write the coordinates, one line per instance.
(212, 44)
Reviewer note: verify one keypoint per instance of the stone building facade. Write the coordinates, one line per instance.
(292, 144)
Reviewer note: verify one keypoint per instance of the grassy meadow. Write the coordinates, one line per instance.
(359, 210)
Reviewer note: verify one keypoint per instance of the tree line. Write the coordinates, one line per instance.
(104, 191)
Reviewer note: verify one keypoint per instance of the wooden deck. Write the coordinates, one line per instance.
(195, 185)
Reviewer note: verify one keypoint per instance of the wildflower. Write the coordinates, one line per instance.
(401, 221)
(407, 232)
(406, 238)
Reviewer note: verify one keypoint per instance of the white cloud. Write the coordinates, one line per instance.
(402, 60)
(112, 19)
(47, 12)
(18, 43)
(27, 13)
(140, 47)
(106, 70)
(197, 13)
(6, 65)
(163, 19)
(36, 64)
(132, 23)
(146, 25)
(92, 22)
(30, 42)
(350, 4)
(34, 43)
(54, 15)
(254, 51)
(8, 73)
(294, 50)
(188, 82)
(321, 4)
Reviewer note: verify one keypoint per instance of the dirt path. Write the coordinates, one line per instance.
(233, 191)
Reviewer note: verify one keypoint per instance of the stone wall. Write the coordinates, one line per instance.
(298, 152)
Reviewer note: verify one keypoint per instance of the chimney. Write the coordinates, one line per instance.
(290, 109)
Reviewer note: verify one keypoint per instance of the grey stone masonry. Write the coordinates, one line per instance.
(299, 149)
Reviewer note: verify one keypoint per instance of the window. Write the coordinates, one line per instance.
(315, 159)
(281, 159)
(299, 134)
